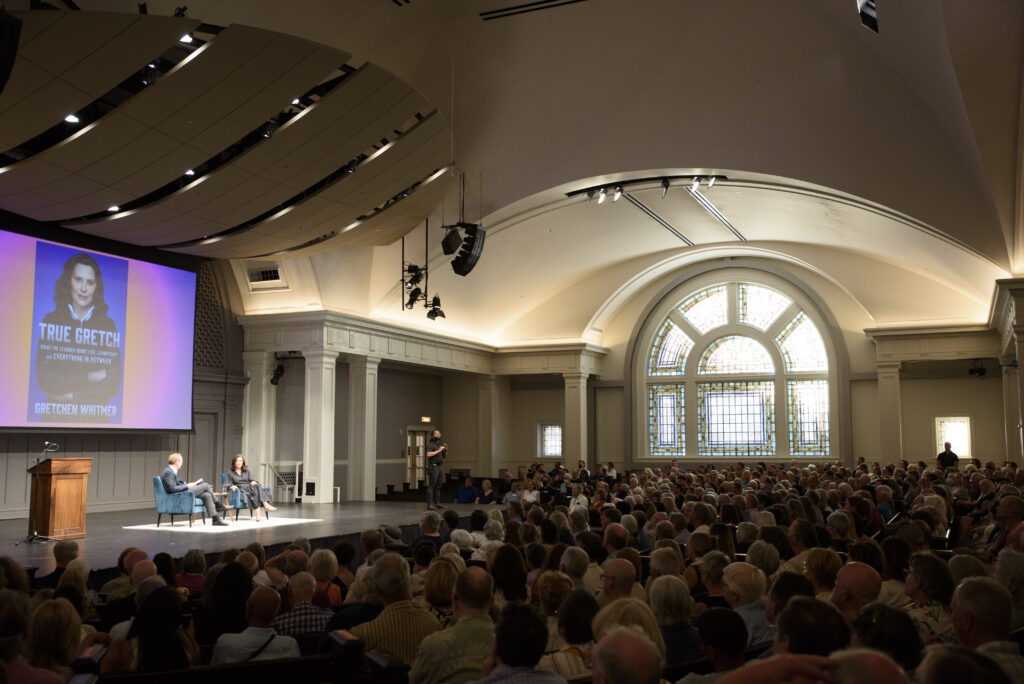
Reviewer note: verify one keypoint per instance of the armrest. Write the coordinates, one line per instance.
(88, 661)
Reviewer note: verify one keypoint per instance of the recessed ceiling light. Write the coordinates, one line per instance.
(113, 208)
(190, 172)
(295, 101)
(187, 38)
(71, 118)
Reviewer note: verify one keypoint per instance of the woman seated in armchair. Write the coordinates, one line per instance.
(253, 494)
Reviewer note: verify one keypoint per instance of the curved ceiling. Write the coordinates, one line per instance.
(257, 143)
(885, 164)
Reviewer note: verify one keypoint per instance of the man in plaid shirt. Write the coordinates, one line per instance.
(303, 617)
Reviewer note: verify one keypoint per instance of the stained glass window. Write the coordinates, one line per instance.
(667, 420)
(759, 306)
(802, 346)
(708, 309)
(735, 354)
(671, 347)
(736, 418)
(808, 417)
(733, 414)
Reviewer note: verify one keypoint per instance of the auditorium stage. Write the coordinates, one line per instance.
(107, 535)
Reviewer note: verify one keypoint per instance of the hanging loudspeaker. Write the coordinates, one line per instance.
(472, 246)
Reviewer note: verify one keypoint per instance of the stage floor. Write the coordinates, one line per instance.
(107, 535)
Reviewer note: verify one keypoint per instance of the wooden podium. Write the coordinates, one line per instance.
(57, 506)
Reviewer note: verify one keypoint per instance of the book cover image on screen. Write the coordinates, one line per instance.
(104, 341)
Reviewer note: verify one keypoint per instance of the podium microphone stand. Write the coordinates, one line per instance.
(35, 537)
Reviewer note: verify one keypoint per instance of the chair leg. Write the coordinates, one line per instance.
(158, 516)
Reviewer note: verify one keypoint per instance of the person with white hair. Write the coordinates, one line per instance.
(981, 620)
(744, 588)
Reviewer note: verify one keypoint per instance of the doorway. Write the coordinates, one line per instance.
(416, 455)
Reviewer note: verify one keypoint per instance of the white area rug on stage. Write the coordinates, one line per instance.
(244, 523)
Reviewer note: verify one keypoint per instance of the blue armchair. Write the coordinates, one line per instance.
(182, 503)
(235, 498)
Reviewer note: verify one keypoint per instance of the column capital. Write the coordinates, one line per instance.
(888, 367)
(575, 377)
(319, 357)
(362, 362)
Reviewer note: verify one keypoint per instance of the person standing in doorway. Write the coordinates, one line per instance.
(436, 451)
(946, 457)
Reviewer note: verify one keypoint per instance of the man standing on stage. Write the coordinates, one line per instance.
(436, 451)
(203, 490)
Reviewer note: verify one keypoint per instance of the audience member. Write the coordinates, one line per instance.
(890, 630)
(64, 551)
(258, 641)
(723, 640)
(519, 639)
(456, 655)
(810, 626)
(930, 588)
(303, 617)
(625, 655)
(981, 620)
(744, 590)
(400, 627)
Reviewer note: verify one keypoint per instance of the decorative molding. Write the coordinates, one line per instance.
(909, 344)
(360, 338)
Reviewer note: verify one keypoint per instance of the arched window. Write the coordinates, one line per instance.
(737, 370)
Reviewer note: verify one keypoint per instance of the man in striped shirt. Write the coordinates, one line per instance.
(400, 627)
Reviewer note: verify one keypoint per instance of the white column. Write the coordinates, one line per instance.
(1012, 418)
(488, 419)
(890, 418)
(258, 410)
(318, 424)
(362, 428)
(574, 434)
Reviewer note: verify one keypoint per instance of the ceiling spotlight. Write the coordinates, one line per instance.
(711, 181)
(295, 101)
(179, 12)
(618, 193)
(189, 172)
(602, 195)
(113, 208)
(415, 276)
(590, 195)
(435, 309)
(665, 185)
(977, 368)
(695, 186)
(187, 38)
(71, 118)
(414, 297)
(269, 128)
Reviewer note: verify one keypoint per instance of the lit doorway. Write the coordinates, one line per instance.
(416, 455)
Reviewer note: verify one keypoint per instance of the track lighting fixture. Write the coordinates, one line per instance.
(435, 309)
(601, 195)
(71, 118)
(618, 193)
(665, 185)
(414, 296)
(695, 185)
(711, 182)
(415, 274)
